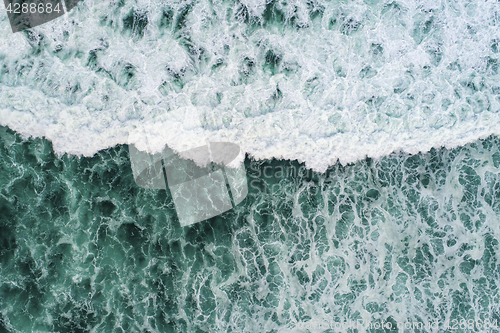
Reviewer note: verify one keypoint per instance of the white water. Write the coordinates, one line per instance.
(394, 83)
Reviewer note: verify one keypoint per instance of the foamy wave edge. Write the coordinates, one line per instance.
(319, 94)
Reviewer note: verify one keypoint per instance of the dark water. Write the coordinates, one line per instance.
(401, 239)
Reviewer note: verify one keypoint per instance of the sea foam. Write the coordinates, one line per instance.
(315, 81)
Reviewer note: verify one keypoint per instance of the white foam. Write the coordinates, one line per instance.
(324, 114)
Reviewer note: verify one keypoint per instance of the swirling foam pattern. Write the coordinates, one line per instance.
(400, 239)
(317, 81)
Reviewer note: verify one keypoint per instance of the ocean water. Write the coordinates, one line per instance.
(409, 239)
(317, 81)
(371, 133)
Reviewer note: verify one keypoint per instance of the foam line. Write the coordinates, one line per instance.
(319, 82)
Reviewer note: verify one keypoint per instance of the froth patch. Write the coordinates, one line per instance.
(318, 82)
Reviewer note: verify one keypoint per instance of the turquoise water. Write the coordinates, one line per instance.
(371, 134)
(406, 238)
(311, 80)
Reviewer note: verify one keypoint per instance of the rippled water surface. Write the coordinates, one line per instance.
(312, 80)
(404, 238)
(371, 133)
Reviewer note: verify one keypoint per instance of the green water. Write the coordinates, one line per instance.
(403, 238)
